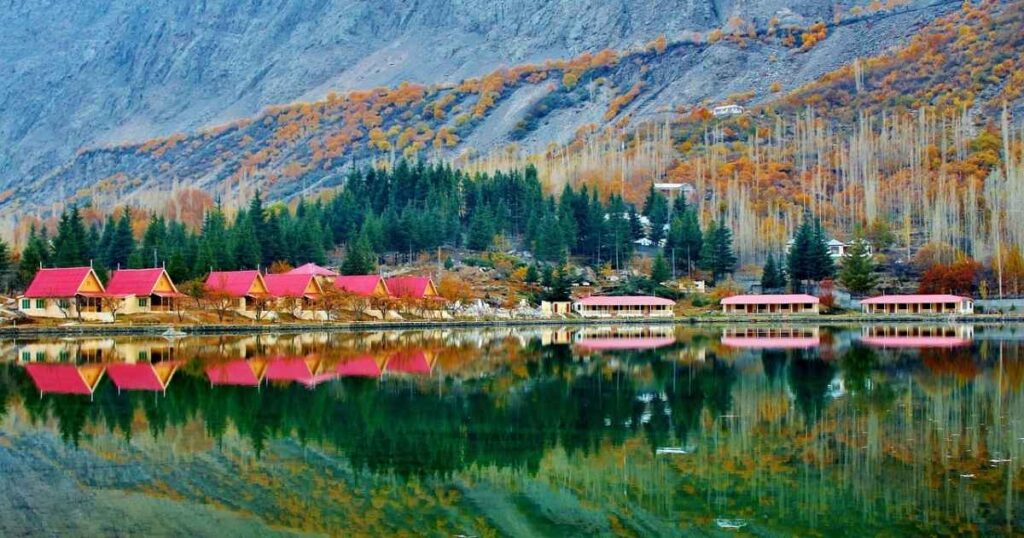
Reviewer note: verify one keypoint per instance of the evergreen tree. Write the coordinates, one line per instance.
(34, 256)
(481, 230)
(532, 275)
(561, 285)
(70, 248)
(359, 258)
(657, 211)
(772, 277)
(245, 246)
(122, 243)
(6, 272)
(717, 256)
(660, 271)
(809, 258)
(857, 270)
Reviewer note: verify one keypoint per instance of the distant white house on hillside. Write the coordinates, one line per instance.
(727, 110)
(836, 248)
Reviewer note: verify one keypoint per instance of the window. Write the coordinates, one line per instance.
(142, 356)
(143, 302)
(63, 355)
(26, 356)
(40, 303)
(40, 355)
(26, 304)
(63, 303)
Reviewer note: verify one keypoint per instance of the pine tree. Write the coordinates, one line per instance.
(857, 270)
(657, 211)
(660, 271)
(809, 257)
(34, 256)
(532, 275)
(481, 230)
(122, 243)
(772, 278)
(359, 258)
(6, 273)
(70, 244)
(561, 285)
(717, 256)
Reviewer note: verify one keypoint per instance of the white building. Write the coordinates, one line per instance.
(727, 110)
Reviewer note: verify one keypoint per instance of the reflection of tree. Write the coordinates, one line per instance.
(773, 361)
(809, 377)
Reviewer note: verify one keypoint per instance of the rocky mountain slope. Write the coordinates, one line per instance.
(148, 80)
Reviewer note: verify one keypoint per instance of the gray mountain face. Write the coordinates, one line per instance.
(89, 73)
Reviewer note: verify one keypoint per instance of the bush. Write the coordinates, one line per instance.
(700, 300)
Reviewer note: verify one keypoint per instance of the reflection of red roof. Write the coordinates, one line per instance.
(603, 344)
(234, 283)
(624, 300)
(237, 372)
(409, 287)
(312, 269)
(409, 362)
(364, 285)
(772, 342)
(58, 378)
(289, 369)
(288, 285)
(57, 283)
(916, 341)
(362, 366)
(134, 281)
(796, 298)
(914, 299)
(140, 376)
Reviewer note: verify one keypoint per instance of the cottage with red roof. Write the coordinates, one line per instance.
(624, 306)
(65, 378)
(245, 290)
(144, 290)
(67, 292)
(146, 376)
(918, 304)
(323, 274)
(797, 303)
(412, 287)
(297, 294)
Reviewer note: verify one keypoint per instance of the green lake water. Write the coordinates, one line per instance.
(597, 431)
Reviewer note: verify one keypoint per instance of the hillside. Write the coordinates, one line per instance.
(711, 51)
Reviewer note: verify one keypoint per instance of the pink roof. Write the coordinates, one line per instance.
(772, 342)
(362, 366)
(311, 269)
(234, 283)
(609, 344)
(57, 378)
(414, 287)
(363, 285)
(289, 369)
(409, 362)
(236, 372)
(140, 376)
(57, 283)
(915, 299)
(915, 341)
(796, 298)
(287, 285)
(625, 300)
(134, 281)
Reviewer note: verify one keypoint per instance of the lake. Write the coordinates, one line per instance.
(770, 430)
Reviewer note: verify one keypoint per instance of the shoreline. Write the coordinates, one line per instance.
(90, 329)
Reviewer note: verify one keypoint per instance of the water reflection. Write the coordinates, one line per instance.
(617, 430)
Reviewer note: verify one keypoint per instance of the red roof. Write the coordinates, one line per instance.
(57, 283)
(289, 369)
(234, 283)
(914, 299)
(771, 342)
(58, 378)
(363, 285)
(611, 344)
(311, 269)
(287, 285)
(237, 372)
(140, 376)
(625, 300)
(410, 287)
(796, 298)
(916, 341)
(409, 362)
(134, 281)
(362, 366)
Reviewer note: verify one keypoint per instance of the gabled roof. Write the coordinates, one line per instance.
(143, 375)
(65, 378)
(59, 283)
(301, 369)
(915, 299)
(234, 283)
(361, 366)
(795, 298)
(409, 362)
(625, 300)
(139, 282)
(362, 285)
(410, 287)
(289, 285)
(237, 372)
(311, 269)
